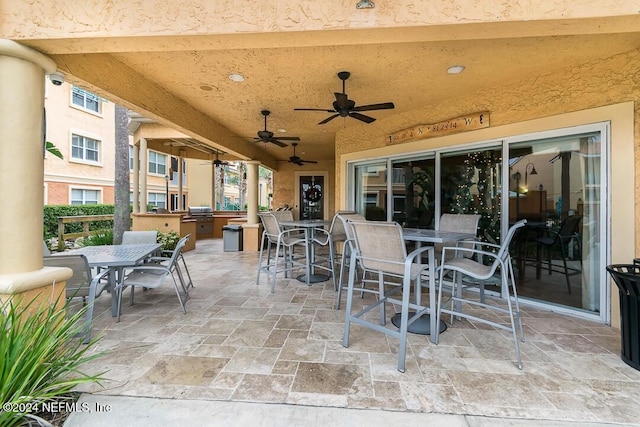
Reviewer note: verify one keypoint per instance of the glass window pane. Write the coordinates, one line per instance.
(371, 191)
(414, 195)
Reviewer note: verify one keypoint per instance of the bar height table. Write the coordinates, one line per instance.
(425, 324)
(309, 225)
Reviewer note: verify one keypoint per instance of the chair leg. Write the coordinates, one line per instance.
(564, 263)
(383, 306)
(182, 303)
(190, 284)
(347, 317)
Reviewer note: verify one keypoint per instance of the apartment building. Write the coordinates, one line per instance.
(82, 126)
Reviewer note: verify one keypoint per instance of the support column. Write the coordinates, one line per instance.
(22, 74)
(252, 191)
(251, 230)
(180, 183)
(144, 161)
(22, 78)
(136, 178)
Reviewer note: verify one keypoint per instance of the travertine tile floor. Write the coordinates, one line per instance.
(239, 342)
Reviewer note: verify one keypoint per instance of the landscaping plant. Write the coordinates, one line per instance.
(41, 359)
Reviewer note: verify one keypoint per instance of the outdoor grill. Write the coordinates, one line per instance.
(204, 218)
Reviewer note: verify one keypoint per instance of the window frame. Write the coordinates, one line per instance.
(85, 137)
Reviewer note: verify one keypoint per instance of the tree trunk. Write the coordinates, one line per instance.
(121, 217)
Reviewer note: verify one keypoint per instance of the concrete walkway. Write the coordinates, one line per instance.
(108, 411)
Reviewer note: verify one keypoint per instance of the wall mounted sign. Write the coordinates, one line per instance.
(459, 124)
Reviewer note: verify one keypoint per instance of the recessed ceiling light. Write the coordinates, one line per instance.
(282, 130)
(236, 77)
(456, 69)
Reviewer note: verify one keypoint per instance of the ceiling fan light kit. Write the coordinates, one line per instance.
(345, 107)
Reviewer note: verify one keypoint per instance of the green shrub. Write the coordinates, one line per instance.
(52, 212)
(41, 359)
(99, 239)
(168, 240)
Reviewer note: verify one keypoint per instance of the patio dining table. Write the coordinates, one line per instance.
(117, 258)
(425, 324)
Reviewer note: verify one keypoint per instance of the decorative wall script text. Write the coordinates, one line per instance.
(459, 124)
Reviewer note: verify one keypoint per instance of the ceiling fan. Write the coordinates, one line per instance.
(343, 106)
(267, 136)
(217, 162)
(297, 160)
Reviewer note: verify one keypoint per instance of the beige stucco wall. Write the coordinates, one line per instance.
(284, 180)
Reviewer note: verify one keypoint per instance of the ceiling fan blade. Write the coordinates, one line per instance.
(308, 161)
(278, 143)
(299, 163)
(362, 117)
(328, 119)
(313, 109)
(383, 106)
(288, 138)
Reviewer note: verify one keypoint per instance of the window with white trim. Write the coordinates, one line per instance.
(86, 100)
(85, 148)
(157, 163)
(158, 200)
(82, 196)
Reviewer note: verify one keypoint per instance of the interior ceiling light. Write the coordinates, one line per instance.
(236, 77)
(206, 88)
(281, 130)
(456, 69)
(365, 4)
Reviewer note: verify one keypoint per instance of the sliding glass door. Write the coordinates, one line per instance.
(556, 180)
(557, 186)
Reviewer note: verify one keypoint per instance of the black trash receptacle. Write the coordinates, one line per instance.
(627, 278)
(232, 238)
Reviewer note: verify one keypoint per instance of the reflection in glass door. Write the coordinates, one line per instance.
(371, 191)
(471, 183)
(555, 183)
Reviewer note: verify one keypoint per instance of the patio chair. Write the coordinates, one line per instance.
(464, 223)
(139, 237)
(499, 270)
(81, 284)
(180, 263)
(568, 232)
(332, 238)
(154, 275)
(284, 241)
(380, 249)
(346, 248)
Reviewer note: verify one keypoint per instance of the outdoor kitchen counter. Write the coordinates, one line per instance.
(165, 222)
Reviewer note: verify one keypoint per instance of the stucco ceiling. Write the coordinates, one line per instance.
(173, 79)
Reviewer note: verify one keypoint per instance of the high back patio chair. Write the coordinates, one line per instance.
(139, 237)
(499, 269)
(284, 241)
(380, 249)
(344, 249)
(179, 265)
(463, 223)
(153, 275)
(567, 234)
(82, 284)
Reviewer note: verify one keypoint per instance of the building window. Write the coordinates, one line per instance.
(158, 200)
(81, 196)
(86, 100)
(84, 148)
(157, 163)
(130, 157)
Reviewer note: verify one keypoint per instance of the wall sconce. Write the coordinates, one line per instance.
(526, 173)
